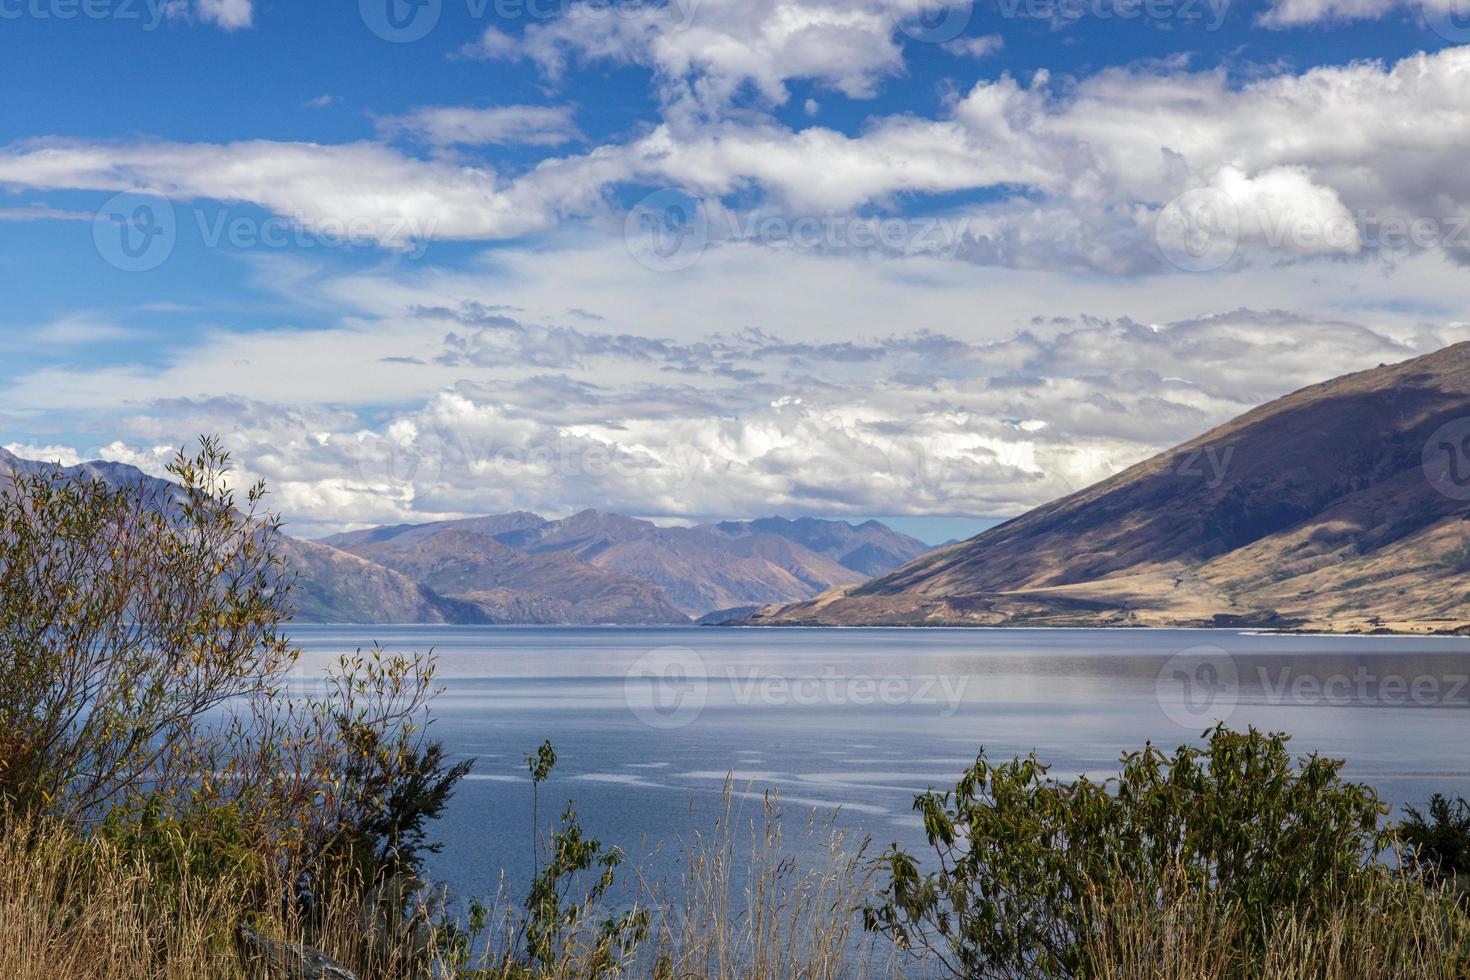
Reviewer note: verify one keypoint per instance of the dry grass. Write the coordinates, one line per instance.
(747, 903)
(68, 910)
(92, 911)
(1401, 932)
(750, 905)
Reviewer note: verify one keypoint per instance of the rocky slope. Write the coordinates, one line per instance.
(1343, 506)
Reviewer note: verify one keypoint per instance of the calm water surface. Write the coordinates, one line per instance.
(853, 722)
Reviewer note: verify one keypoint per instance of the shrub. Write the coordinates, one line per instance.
(1439, 841)
(131, 618)
(1022, 857)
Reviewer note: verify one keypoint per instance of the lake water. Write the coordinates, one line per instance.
(648, 722)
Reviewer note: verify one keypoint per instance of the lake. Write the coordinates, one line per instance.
(648, 722)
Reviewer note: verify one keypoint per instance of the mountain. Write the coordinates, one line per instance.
(870, 548)
(330, 585)
(589, 568)
(460, 560)
(1342, 506)
(333, 586)
(700, 569)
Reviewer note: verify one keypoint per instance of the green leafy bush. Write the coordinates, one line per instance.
(1022, 858)
(1438, 840)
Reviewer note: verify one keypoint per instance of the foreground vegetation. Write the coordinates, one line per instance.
(179, 798)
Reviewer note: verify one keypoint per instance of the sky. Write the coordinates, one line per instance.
(932, 261)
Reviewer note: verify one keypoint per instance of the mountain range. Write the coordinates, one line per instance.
(606, 568)
(591, 568)
(1344, 506)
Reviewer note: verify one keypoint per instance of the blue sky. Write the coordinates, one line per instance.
(923, 259)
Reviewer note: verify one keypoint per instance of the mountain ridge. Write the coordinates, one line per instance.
(1325, 509)
(588, 569)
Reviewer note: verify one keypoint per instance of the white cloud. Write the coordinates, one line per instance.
(381, 193)
(78, 329)
(1298, 13)
(1347, 148)
(759, 382)
(469, 126)
(64, 455)
(231, 15)
(920, 423)
(706, 50)
(975, 47)
(320, 102)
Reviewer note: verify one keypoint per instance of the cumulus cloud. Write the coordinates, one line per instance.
(706, 51)
(1099, 160)
(556, 418)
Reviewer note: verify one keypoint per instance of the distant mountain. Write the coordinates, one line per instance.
(589, 568)
(330, 585)
(870, 548)
(456, 559)
(698, 569)
(701, 569)
(1341, 506)
(333, 586)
